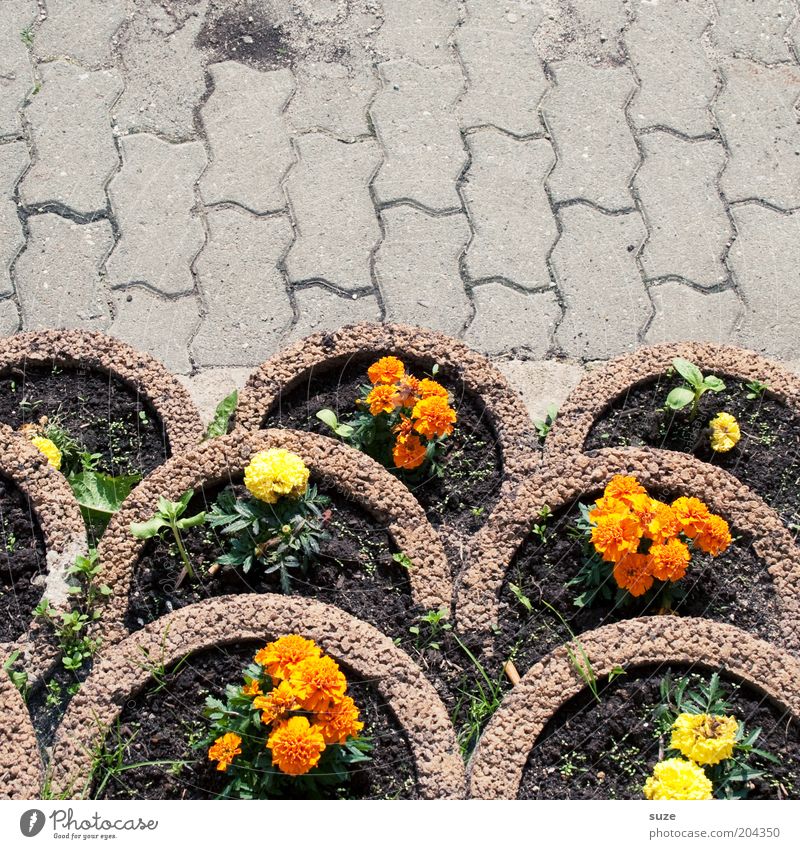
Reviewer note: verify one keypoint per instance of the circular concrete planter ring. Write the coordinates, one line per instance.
(119, 675)
(20, 763)
(496, 767)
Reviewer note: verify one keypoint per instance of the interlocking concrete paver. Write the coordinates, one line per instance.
(597, 154)
(209, 386)
(248, 137)
(684, 313)
(72, 137)
(320, 308)
(417, 124)
(80, 29)
(505, 78)
(765, 259)
(13, 162)
(9, 317)
(756, 30)
(163, 69)
(16, 72)
(595, 267)
(688, 225)
(419, 30)
(58, 274)
(757, 112)
(159, 326)
(331, 97)
(244, 293)
(677, 78)
(417, 269)
(509, 209)
(337, 229)
(542, 384)
(509, 320)
(590, 30)
(152, 197)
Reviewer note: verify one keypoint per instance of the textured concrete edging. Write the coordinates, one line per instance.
(56, 511)
(496, 767)
(600, 388)
(356, 476)
(20, 761)
(120, 674)
(96, 351)
(564, 482)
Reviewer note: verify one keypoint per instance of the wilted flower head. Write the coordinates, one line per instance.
(705, 738)
(725, 432)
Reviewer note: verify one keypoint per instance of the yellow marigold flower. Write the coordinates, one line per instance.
(340, 721)
(49, 449)
(668, 561)
(430, 388)
(382, 399)
(318, 682)
(616, 534)
(714, 536)
(632, 573)
(251, 689)
(704, 738)
(623, 487)
(280, 657)
(277, 704)
(275, 473)
(386, 370)
(224, 749)
(408, 452)
(433, 417)
(296, 746)
(676, 779)
(692, 514)
(725, 432)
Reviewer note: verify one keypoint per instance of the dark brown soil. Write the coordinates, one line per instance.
(161, 723)
(23, 563)
(245, 34)
(767, 457)
(99, 411)
(607, 749)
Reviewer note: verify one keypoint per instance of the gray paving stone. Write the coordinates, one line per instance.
(417, 125)
(689, 227)
(320, 308)
(757, 112)
(13, 162)
(152, 197)
(417, 269)
(590, 30)
(684, 314)
(765, 259)
(678, 80)
(419, 30)
(75, 154)
(9, 317)
(160, 326)
(248, 137)
(246, 304)
(542, 382)
(595, 268)
(163, 70)
(756, 30)
(509, 209)
(332, 98)
(505, 78)
(597, 155)
(209, 386)
(80, 29)
(509, 320)
(337, 227)
(16, 72)
(58, 274)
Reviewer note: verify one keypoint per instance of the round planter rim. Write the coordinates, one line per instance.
(20, 762)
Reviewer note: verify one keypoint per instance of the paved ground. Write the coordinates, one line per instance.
(556, 180)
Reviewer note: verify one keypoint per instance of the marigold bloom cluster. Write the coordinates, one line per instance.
(276, 473)
(675, 779)
(725, 432)
(645, 538)
(49, 449)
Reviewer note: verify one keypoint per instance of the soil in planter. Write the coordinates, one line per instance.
(23, 562)
(163, 721)
(767, 457)
(103, 414)
(607, 749)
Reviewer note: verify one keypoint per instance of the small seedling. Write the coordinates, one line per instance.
(616, 672)
(755, 389)
(694, 389)
(222, 416)
(27, 36)
(521, 597)
(539, 529)
(329, 418)
(18, 677)
(403, 560)
(545, 425)
(435, 622)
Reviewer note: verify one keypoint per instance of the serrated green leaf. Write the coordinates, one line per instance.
(222, 415)
(99, 495)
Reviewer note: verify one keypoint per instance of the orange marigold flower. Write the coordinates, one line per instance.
(433, 417)
(408, 452)
(664, 524)
(382, 399)
(277, 704)
(616, 534)
(386, 370)
(404, 427)
(632, 573)
(318, 681)
(692, 514)
(251, 689)
(296, 746)
(668, 561)
(623, 487)
(606, 506)
(714, 537)
(644, 508)
(430, 388)
(224, 749)
(407, 391)
(340, 721)
(281, 657)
